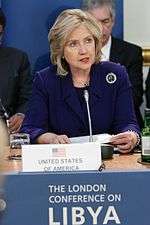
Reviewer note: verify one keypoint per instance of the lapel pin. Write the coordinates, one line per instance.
(111, 78)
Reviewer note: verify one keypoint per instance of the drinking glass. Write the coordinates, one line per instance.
(16, 141)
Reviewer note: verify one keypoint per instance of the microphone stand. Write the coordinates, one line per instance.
(86, 97)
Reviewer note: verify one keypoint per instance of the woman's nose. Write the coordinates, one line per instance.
(82, 49)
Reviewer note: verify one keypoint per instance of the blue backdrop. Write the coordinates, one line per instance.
(28, 21)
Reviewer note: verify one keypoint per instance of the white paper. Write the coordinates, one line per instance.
(100, 138)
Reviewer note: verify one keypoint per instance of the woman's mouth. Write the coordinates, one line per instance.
(85, 60)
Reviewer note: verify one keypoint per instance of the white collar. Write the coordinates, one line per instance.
(106, 50)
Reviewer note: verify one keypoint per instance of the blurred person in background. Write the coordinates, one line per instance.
(15, 82)
(3, 144)
(117, 50)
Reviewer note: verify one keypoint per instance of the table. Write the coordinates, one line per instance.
(118, 162)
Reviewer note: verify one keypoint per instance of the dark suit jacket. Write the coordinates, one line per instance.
(15, 80)
(148, 90)
(130, 56)
(126, 54)
(55, 106)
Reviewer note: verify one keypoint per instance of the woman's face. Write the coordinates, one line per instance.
(79, 50)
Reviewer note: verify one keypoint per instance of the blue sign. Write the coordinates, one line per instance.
(77, 198)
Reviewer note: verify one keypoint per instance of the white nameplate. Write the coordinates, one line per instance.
(61, 157)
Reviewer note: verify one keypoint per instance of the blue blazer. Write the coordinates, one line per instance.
(55, 107)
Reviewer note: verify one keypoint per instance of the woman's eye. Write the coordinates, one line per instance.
(89, 40)
(72, 44)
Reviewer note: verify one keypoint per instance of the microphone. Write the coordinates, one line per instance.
(86, 97)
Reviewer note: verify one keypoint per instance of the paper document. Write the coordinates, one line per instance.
(101, 138)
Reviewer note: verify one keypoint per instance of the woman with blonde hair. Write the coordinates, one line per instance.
(57, 109)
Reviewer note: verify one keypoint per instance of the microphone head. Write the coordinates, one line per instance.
(86, 95)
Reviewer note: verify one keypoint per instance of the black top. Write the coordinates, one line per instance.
(80, 93)
(15, 80)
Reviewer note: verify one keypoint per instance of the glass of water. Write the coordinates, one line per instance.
(16, 140)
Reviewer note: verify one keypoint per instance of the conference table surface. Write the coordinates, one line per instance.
(119, 162)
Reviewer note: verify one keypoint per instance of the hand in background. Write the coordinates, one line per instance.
(15, 122)
(125, 141)
(51, 138)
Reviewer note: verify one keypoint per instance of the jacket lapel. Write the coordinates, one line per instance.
(70, 97)
(95, 89)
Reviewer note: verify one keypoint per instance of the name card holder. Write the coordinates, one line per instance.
(61, 157)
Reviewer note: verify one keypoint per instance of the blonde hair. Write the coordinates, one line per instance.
(65, 23)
